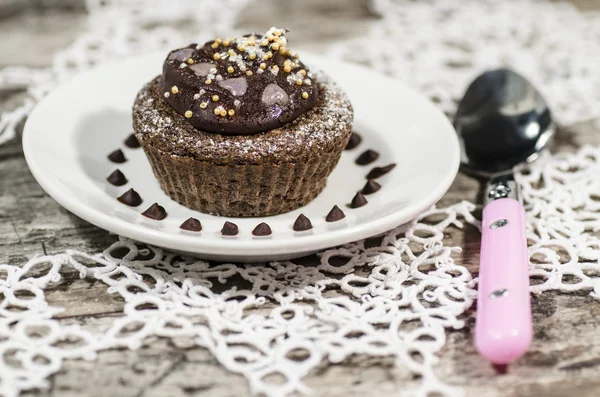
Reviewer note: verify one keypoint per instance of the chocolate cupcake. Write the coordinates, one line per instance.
(241, 127)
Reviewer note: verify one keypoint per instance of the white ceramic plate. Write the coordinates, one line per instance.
(70, 133)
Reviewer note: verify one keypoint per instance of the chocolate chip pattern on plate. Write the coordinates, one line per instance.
(230, 229)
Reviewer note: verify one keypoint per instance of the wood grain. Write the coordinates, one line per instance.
(564, 359)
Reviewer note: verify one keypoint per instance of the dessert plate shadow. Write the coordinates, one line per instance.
(69, 134)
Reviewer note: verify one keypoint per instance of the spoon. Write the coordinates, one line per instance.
(502, 123)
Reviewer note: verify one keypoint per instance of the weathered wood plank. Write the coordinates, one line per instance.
(159, 368)
(32, 38)
(32, 221)
(567, 346)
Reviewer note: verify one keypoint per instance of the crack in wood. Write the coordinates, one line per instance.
(114, 313)
(9, 155)
(174, 365)
(197, 389)
(581, 365)
(16, 233)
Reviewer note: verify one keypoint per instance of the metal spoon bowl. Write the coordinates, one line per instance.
(502, 122)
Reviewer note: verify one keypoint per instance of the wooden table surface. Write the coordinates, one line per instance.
(564, 358)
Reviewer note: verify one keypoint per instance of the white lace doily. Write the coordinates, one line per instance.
(396, 298)
(440, 46)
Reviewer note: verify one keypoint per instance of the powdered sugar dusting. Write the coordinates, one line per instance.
(324, 126)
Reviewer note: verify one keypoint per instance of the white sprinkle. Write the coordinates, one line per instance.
(260, 71)
(219, 77)
(202, 91)
(293, 77)
(182, 65)
(212, 70)
(271, 34)
(196, 96)
(235, 58)
(256, 50)
(237, 103)
(307, 81)
(167, 94)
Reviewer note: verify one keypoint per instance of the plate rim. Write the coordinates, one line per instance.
(254, 247)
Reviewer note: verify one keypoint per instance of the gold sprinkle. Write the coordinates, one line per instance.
(174, 89)
(252, 42)
(241, 48)
(218, 40)
(270, 54)
(305, 95)
(188, 114)
(217, 111)
(226, 43)
(214, 45)
(231, 112)
(190, 61)
(252, 56)
(223, 112)
(217, 56)
(265, 57)
(263, 66)
(275, 68)
(283, 50)
(264, 43)
(299, 82)
(215, 98)
(249, 73)
(296, 55)
(302, 72)
(230, 69)
(203, 105)
(277, 33)
(287, 69)
(231, 52)
(207, 81)
(275, 46)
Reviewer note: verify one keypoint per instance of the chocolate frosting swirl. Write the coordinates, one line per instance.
(238, 86)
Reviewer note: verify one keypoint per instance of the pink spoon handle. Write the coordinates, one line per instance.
(503, 328)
